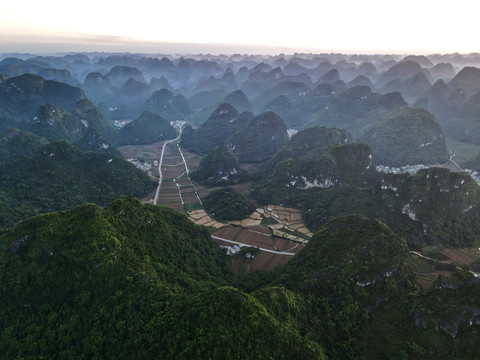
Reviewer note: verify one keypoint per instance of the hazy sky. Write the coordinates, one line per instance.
(365, 26)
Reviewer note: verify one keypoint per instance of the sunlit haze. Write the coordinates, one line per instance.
(261, 26)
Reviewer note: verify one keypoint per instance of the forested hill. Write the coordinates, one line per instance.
(16, 145)
(137, 281)
(130, 281)
(59, 176)
(21, 96)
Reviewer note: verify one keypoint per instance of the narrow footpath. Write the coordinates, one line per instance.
(261, 249)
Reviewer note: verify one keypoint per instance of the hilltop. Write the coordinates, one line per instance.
(21, 96)
(260, 138)
(406, 137)
(16, 145)
(55, 123)
(170, 107)
(220, 167)
(147, 129)
(318, 137)
(228, 204)
(221, 124)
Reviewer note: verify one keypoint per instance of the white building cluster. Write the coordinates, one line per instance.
(474, 174)
(230, 250)
(411, 169)
(234, 250)
(144, 166)
(291, 132)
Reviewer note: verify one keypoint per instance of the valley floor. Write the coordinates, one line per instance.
(272, 227)
(430, 264)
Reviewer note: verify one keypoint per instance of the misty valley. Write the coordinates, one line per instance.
(291, 206)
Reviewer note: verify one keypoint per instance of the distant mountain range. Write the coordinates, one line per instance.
(122, 85)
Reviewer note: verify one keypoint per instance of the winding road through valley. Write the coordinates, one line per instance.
(261, 249)
(160, 165)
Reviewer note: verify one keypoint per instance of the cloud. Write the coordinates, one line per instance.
(59, 43)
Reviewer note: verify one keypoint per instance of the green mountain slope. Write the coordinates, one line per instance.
(406, 137)
(138, 281)
(434, 207)
(98, 285)
(168, 106)
(93, 118)
(109, 283)
(147, 129)
(16, 145)
(318, 137)
(352, 109)
(59, 176)
(221, 124)
(55, 123)
(228, 204)
(260, 138)
(319, 168)
(349, 267)
(21, 96)
(220, 167)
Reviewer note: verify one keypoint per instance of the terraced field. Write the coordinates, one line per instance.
(272, 227)
(251, 236)
(428, 267)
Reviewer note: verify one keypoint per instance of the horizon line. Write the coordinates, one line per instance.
(86, 43)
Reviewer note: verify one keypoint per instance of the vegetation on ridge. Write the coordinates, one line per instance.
(136, 281)
(228, 204)
(59, 176)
